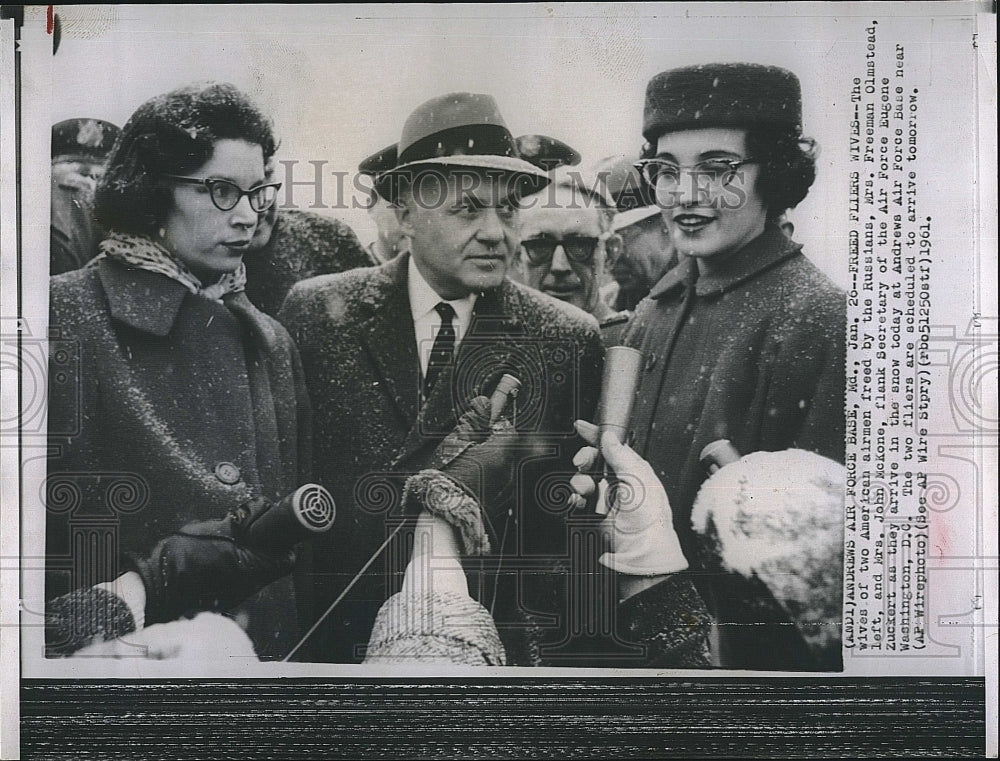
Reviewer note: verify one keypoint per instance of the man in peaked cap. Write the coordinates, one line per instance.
(79, 148)
(646, 252)
(392, 357)
(745, 339)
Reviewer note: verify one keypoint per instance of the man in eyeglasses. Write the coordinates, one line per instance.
(566, 239)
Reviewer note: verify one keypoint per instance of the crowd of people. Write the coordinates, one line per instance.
(442, 387)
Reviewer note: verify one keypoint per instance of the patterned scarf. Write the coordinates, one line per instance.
(146, 254)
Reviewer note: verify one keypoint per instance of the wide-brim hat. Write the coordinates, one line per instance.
(721, 95)
(83, 139)
(547, 153)
(454, 131)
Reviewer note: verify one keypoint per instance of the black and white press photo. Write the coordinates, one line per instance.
(429, 340)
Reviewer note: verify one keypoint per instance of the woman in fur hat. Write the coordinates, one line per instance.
(745, 339)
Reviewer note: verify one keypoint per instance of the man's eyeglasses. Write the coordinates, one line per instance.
(578, 249)
(718, 172)
(225, 194)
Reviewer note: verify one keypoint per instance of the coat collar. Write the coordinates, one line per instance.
(765, 251)
(146, 301)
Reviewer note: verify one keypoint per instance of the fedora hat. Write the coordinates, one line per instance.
(458, 130)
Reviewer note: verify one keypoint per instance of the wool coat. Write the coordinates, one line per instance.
(164, 408)
(302, 245)
(372, 429)
(753, 352)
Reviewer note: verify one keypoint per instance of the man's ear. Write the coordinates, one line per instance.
(517, 263)
(403, 217)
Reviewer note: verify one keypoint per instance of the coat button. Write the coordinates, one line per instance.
(227, 473)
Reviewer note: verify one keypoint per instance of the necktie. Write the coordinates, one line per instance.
(443, 351)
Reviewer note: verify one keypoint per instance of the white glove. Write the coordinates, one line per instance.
(639, 522)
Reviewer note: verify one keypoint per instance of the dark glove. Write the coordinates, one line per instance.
(481, 458)
(208, 566)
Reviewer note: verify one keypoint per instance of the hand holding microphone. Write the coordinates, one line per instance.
(481, 453)
(216, 564)
(622, 367)
(206, 565)
(640, 521)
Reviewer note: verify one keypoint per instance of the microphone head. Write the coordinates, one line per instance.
(507, 387)
(718, 454)
(314, 508)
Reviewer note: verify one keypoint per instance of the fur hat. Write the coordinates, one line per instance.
(721, 95)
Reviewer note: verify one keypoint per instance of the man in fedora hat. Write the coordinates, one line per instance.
(745, 338)
(394, 355)
(646, 252)
(389, 239)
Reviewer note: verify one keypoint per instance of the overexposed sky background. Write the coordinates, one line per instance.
(340, 80)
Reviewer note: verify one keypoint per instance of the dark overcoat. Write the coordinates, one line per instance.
(165, 407)
(372, 428)
(302, 245)
(753, 352)
(550, 600)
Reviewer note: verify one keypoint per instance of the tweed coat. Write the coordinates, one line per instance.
(302, 245)
(753, 353)
(165, 407)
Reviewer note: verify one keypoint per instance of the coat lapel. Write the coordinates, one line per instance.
(389, 337)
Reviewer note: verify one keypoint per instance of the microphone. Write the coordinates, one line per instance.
(306, 512)
(718, 454)
(507, 388)
(622, 369)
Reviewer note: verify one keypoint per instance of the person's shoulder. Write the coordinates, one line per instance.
(810, 289)
(323, 236)
(76, 287)
(337, 295)
(545, 315)
(317, 228)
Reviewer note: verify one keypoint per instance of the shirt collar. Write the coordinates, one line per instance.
(423, 298)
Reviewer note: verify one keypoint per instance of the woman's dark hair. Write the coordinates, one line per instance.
(787, 165)
(174, 133)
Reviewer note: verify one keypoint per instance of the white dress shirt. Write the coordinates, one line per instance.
(426, 320)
